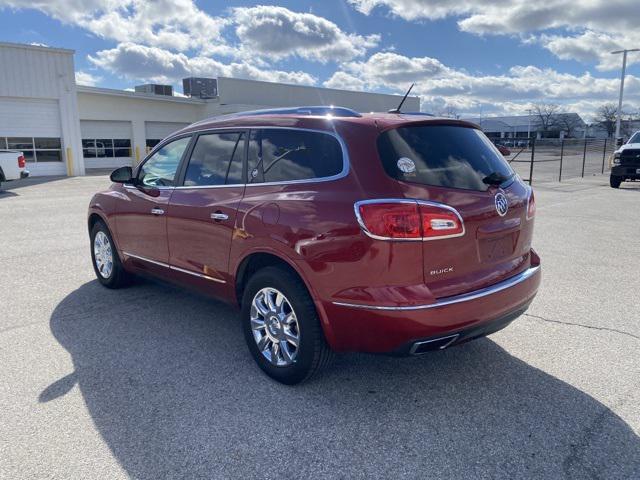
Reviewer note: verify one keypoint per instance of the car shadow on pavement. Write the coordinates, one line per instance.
(171, 388)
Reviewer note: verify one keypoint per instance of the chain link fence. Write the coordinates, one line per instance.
(554, 160)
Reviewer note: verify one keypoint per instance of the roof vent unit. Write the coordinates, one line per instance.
(200, 87)
(154, 89)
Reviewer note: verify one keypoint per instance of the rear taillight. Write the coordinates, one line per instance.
(408, 220)
(439, 221)
(21, 161)
(531, 205)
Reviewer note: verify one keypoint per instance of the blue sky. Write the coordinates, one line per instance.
(465, 56)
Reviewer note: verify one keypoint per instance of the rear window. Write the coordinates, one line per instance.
(441, 155)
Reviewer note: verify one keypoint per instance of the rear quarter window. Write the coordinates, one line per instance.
(441, 155)
(280, 155)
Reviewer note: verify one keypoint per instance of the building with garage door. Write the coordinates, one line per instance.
(67, 129)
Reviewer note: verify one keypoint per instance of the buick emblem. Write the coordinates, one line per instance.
(502, 204)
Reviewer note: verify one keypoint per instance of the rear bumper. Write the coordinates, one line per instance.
(24, 174)
(379, 329)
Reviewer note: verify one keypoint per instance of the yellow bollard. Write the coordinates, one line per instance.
(69, 162)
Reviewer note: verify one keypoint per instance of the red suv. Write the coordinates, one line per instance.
(331, 230)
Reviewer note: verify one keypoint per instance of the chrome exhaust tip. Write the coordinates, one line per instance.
(425, 346)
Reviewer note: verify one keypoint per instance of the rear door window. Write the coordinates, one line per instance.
(279, 155)
(441, 155)
(216, 160)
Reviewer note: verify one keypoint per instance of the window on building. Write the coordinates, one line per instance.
(160, 169)
(106, 147)
(38, 149)
(284, 155)
(216, 160)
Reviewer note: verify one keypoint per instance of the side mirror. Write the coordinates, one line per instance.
(122, 175)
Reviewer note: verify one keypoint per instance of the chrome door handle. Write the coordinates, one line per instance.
(157, 211)
(218, 216)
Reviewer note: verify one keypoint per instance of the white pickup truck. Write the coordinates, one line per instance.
(12, 166)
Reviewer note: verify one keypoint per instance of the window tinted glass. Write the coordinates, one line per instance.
(439, 155)
(216, 160)
(160, 169)
(48, 143)
(635, 138)
(281, 155)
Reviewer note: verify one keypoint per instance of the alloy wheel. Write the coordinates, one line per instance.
(103, 254)
(275, 327)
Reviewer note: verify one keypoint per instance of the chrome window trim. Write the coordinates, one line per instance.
(201, 187)
(133, 187)
(346, 163)
(171, 267)
(356, 209)
(465, 297)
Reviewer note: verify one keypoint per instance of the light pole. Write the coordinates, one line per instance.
(624, 68)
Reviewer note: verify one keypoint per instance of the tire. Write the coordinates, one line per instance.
(312, 353)
(114, 276)
(615, 181)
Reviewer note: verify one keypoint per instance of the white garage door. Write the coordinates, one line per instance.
(33, 126)
(156, 131)
(106, 144)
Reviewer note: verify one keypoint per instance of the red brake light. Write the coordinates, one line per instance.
(21, 161)
(408, 220)
(390, 220)
(531, 206)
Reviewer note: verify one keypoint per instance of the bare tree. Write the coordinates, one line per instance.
(568, 123)
(546, 114)
(606, 118)
(449, 112)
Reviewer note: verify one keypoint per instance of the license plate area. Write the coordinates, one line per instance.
(497, 248)
(637, 171)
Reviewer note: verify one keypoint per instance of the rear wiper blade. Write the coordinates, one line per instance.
(496, 178)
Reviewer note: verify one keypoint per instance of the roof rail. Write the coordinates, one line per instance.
(321, 110)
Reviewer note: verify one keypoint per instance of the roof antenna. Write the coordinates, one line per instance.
(397, 110)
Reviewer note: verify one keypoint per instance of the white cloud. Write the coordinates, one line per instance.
(176, 24)
(86, 78)
(155, 64)
(588, 29)
(277, 32)
(345, 81)
(441, 86)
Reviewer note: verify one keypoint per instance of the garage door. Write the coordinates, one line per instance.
(33, 126)
(156, 131)
(106, 144)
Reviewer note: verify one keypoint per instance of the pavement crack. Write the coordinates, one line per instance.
(591, 327)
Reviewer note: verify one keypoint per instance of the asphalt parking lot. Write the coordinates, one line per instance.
(155, 382)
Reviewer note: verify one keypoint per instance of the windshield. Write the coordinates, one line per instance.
(635, 138)
(442, 155)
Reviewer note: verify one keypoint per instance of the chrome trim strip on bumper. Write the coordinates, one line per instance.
(465, 297)
(171, 267)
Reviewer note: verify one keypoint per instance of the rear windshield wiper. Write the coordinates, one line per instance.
(496, 178)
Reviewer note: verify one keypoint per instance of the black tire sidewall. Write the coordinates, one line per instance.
(615, 182)
(297, 295)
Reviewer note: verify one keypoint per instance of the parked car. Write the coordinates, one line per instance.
(503, 150)
(330, 230)
(12, 166)
(626, 162)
